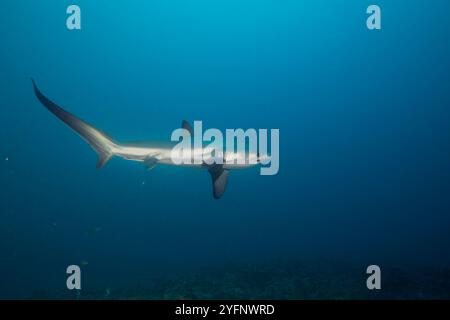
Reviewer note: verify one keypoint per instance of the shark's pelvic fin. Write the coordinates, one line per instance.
(151, 161)
(98, 140)
(187, 126)
(219, 179)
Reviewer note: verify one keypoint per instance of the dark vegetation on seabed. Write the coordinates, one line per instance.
(277, 280)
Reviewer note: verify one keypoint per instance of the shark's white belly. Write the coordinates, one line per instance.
(198, 157)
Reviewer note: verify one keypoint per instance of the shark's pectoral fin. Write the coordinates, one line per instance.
(150, 162)
(219, 179)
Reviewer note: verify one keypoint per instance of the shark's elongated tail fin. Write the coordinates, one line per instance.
(98, 140)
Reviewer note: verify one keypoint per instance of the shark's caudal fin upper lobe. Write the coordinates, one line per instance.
(98, 140)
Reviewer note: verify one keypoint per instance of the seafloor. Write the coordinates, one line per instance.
(277, 280)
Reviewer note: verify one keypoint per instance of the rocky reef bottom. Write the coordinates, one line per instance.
(279, 280)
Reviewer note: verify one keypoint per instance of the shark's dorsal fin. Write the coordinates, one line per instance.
(219, 179)
(187, 126)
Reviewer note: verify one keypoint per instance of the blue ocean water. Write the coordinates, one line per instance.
(364, 142)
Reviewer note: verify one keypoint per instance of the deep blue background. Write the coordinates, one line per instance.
(363, 118)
